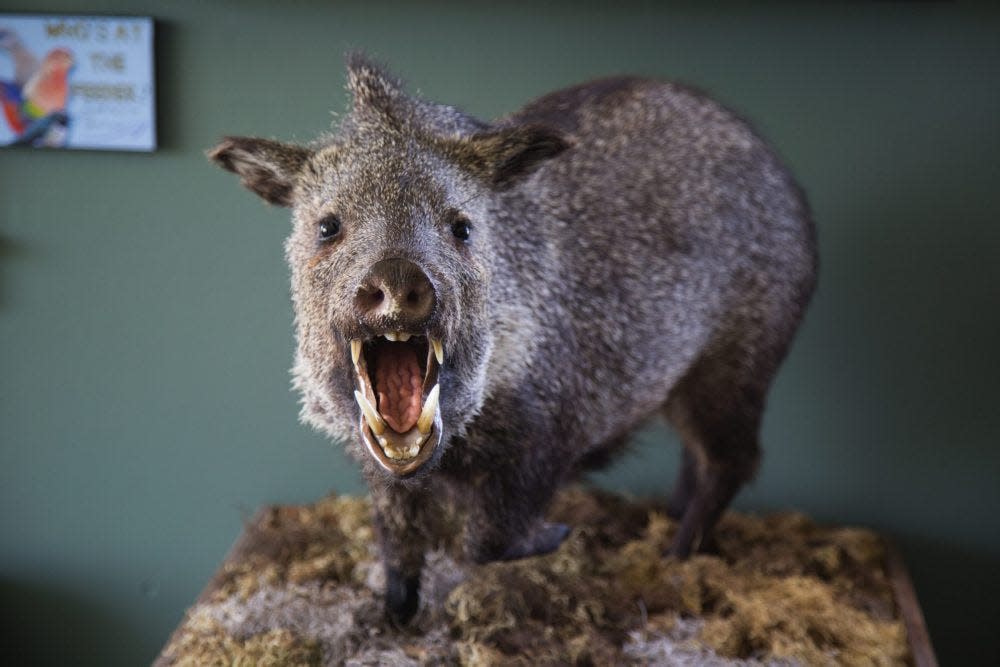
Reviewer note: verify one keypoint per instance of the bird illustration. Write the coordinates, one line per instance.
(34, 102)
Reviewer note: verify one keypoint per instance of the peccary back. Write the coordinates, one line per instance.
(486, 309)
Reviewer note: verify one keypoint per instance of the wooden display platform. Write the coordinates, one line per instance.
(324, 556)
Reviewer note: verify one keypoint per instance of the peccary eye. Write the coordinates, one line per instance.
(329, 227)
(461, 228)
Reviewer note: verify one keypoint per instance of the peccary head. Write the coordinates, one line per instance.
(394, 254)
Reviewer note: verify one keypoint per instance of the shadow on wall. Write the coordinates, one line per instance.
(958, 589)
(9, 250)
(168, 88)
(47, 626)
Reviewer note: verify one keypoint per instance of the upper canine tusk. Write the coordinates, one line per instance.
(355, 350)
(426, 419)
(374, 419)
(438, 350)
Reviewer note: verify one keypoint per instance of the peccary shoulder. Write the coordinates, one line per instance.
(484, 310)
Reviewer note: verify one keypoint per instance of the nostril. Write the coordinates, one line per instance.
(369, 298)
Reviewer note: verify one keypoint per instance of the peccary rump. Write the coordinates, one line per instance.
(484, 310)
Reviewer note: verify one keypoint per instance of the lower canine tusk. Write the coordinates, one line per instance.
(374, 419)
(426, 419)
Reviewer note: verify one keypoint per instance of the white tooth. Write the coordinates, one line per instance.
(438, 350)
(390, 336)
(356, 350)
(426, 419)
(389, 450)
(374, 419)
(402, 337)
(413, 451)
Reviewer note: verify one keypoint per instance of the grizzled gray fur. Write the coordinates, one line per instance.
(611, 251)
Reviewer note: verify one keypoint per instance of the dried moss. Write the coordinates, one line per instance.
(305, 589)
(326, 541)
(203, 642)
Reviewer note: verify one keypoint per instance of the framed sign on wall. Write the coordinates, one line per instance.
(77, 82)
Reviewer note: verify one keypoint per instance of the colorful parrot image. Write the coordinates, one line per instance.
(34, 102)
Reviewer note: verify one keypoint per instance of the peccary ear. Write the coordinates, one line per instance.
(505, 155)
(266, 167)
(499, 154)
(374, 89)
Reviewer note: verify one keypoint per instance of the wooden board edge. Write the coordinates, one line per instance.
(909, 608)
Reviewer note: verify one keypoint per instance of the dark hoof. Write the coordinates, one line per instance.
(545, 540)
(679, 550)
(682, 547)
(550, 537)
(685, 542)
(676, 508)
(709, 546)
(402, 597)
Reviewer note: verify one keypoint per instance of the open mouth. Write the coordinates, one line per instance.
(398, 393)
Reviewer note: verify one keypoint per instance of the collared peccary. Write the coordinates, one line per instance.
(484, 310)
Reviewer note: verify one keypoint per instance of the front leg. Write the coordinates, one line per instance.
(403, 519)
(505, 521)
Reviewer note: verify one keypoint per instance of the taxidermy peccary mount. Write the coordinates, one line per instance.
(485, 310)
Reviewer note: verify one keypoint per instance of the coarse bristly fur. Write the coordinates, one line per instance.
(635, 248)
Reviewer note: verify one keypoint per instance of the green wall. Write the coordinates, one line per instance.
(145, 408)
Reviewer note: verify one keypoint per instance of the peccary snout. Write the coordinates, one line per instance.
(397, 293)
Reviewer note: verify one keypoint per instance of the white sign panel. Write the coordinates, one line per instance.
(77, 82)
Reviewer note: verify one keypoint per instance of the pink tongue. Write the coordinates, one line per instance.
(397, 382)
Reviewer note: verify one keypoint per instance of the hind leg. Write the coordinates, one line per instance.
(687, 480)
(718, 417)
